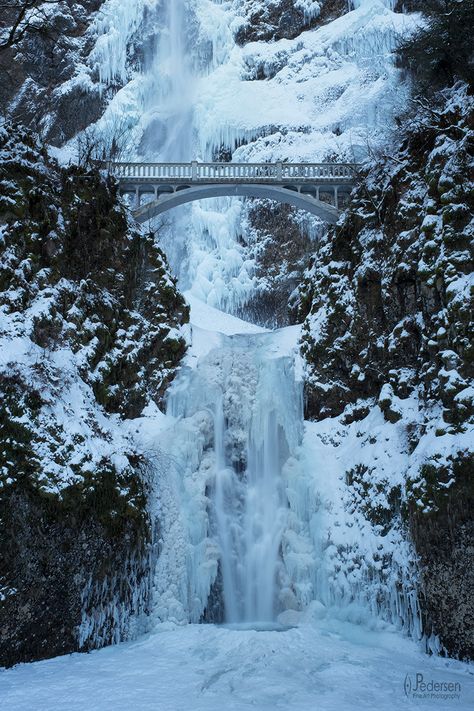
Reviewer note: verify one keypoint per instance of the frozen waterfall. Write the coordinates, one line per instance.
(168, 95)
(255, 408)
(255, 516)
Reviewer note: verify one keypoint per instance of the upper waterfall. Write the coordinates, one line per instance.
(168, 136)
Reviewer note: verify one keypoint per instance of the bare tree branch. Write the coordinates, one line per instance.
(22, 18)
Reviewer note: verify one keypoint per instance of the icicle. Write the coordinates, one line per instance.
(114, 26)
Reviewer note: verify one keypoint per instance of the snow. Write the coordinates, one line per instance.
(460, 290)
(325, 664)
(325, 82)
(203, 315)
(69, 405)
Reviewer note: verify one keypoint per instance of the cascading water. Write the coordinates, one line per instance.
(252, 438)
(169, 97)
(250, 506)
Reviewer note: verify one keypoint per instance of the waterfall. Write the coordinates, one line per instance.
(250, 508)
(256, 407)
(169, 103)
(250, 521)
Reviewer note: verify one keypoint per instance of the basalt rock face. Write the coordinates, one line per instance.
(45, 84)
(278, 242)
(387, 299)
(264, 21)
(75, 566)
(388, 320)
(442, 528)
(90, 333)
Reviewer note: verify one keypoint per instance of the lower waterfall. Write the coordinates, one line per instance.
(256, 527)
(247, 405)
(249, 503)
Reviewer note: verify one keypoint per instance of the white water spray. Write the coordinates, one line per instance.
(169, 102)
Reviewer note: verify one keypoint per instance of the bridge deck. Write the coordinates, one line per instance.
(277, 173)
(308, 186)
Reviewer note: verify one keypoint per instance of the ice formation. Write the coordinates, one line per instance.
(250, 499)
(332, 91)
(247, 408)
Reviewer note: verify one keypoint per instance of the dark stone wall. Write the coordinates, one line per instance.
(44, 59)
(50, 554)
(279, 246)
(280, 19)
(444, 540)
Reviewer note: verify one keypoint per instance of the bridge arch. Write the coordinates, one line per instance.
(284, 194)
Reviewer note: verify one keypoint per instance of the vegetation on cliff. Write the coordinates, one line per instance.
(387, 304)
(90, 329)
(284, 18)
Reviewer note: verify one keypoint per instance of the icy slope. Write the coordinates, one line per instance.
(234, 414)
(357, 569)
(323, 93)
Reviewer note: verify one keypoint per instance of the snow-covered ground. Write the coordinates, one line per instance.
(325, 665)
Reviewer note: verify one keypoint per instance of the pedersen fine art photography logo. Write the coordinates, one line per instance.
(418, 687)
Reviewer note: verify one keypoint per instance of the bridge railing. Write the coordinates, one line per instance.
(197, 172)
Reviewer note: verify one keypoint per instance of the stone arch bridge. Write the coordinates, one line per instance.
(322, 189)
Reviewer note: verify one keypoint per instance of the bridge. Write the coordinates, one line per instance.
(322, 189)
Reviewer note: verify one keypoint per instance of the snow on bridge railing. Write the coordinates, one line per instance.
(205, 172)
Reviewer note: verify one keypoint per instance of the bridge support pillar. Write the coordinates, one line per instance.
(137, 196)
(336, 197)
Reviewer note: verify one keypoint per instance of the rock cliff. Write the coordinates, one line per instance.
(91, 333)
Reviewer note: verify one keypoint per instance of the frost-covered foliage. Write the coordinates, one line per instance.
(75, 276)
(90, 325)
(388, 305)
(441, 52)
(278, 240)
(393, 279)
